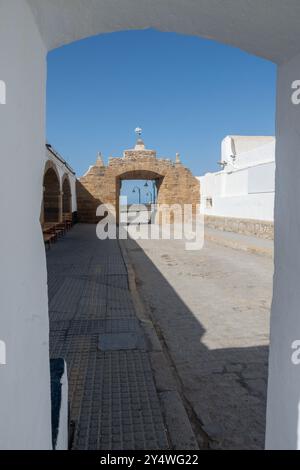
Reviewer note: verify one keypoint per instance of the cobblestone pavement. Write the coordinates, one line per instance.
(113, 399)
(211, 309)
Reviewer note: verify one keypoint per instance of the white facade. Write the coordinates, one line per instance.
(245, 188)
(63, 169)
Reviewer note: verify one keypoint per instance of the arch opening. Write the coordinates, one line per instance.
(103, 183)
(51, 200)
(149, 183)
(66, 197)
(140, 192)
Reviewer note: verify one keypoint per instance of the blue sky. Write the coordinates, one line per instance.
(146, 195)
(187, 93)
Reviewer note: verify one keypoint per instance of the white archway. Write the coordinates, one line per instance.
(28, 29)
(248, 25)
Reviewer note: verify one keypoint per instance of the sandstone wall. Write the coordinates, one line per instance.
(101, 184)
(258, 228)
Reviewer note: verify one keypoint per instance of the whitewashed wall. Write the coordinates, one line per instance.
(25, 410)
(245, 188)
(62, 169)
(283, 413)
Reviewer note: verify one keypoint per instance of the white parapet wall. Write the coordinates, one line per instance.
(245, 187)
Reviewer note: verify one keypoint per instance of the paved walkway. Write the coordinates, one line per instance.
(113, 399)
(189, 371)
(211, 309)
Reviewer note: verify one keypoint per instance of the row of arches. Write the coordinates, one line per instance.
(57, 195)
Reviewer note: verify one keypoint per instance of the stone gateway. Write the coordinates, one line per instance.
(101, 184)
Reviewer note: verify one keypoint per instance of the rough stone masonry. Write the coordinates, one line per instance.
(101, 184)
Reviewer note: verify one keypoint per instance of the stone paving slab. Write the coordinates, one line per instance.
(65, 345)
(121, 341)
(68, 295)
(92, 311)
(212, 315)
(119, 407)
(113, 280)
(113, 399)
(118, 313)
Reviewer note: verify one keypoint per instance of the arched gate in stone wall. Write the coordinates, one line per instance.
(101, 184)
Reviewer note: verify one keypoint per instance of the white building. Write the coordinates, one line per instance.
(62, 179)
(245, 187)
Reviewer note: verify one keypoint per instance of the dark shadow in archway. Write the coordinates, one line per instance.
(66, 197)
(51, 199)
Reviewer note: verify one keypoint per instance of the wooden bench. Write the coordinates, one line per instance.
(53, 230)
(68, 219)
(49, 228)
(48, 239)
(56, 227)
(61, 228)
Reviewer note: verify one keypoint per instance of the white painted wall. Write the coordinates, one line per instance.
(63, 169)
(255, 26)
(25, 421)
(248, 150)
(283, 413)
(246, 187)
